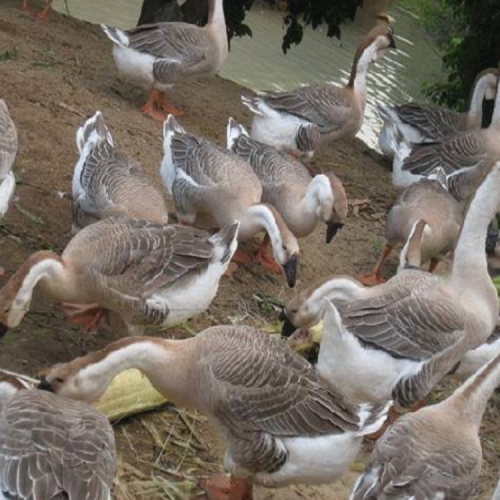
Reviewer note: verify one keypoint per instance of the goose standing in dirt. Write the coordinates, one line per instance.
(281, 421)
(392, 338)
(429, 200)
(149, 275)
(157, 56)
(434, 453)
(212, 186)
(51, 447)
(106, 183)
(302, 119)
(302, 200)
(426, 124)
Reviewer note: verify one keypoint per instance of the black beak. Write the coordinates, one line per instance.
(331, 230)
(392, 43)
(288, 327)
(3, 330)
(290, 268)
(44, 385)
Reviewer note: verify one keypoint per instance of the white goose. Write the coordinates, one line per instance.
(51, 447)
(212, 186)
(281, 421)
(426, 124)
(392, 335)
(8, 152)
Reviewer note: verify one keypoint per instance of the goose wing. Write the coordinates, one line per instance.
(8, 140)
(54, 448)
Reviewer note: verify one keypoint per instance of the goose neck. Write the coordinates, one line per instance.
(478, 94)
(216, 13)
(318, 198)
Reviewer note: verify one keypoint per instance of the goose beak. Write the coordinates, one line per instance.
(290, 267)
(288, 327)
(392, 43)
(45, 385)
(3, 330)
(331, 230)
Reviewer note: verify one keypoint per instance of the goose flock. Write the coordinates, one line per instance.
(385, 344)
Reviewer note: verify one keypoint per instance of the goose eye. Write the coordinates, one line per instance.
(59, 380)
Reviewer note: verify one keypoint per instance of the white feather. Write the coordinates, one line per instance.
(7, 188)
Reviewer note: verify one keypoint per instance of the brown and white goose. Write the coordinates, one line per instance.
(456, 153)
(302, 200)
(212, 186)
(8, 152)
(106, 183)
(149, 275)
(396, 332)
(302, 119)
(423, 124)
(281, 421)
(430, 201)
(51, 447)
(434, 453)
(157, 56)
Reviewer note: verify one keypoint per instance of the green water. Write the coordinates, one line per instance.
(259, 63)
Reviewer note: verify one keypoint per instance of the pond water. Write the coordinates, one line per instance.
(259, 63)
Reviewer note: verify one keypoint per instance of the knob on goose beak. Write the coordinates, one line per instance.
(288, 327)
(3, 330)
(45, 385)
(290, 267)
(331, 230)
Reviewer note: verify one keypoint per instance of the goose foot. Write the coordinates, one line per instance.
(87, 315)
(265, 257)
(220, 487)
(371, 279)
(44, 14)
(167, 107)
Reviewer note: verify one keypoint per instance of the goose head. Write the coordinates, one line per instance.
(336, 214)
(301, 312)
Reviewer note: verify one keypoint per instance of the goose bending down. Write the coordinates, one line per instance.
(302, 119)
(426, 124)
(406, 334)
(430, 201)
(157, 56)
(147, 274)
(291, 427)
(434, 453)
(51, 447)
(106, 183)
(302, 200)
(457, 153)
(212, 186)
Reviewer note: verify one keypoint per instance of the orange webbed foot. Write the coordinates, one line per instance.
(371, 279)
(86, 315)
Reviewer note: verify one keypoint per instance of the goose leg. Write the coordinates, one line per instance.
(87, 315)
(433, 264)
(26, 6)
(220, 487)
(374, 277)
(150, 108)
(265, 257)
(167, 107)
(44, 14)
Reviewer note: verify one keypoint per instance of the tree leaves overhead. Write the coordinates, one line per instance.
(298, 14)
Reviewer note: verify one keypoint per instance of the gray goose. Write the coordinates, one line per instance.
(212, 186)
(302, 200)
(146, 274)
(106, 183)
(395, 335)
(281, 421)
(51, 447)
(157, 56)
(302, 119)
(434, 453)
(426, 124)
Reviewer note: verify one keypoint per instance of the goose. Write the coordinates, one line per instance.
(429, 200)
(434, 453)
(212, 186)
(51, 447)
(426, 124)
(156, 56)
(302, 200)
(300, 120)
(457, 153)
(8, 152)
(107, 183)
(281, 421)
(394, 334)
(147, 274)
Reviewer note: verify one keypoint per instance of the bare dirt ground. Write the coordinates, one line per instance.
(52, 76)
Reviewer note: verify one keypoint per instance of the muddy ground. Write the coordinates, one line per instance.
(52, 76)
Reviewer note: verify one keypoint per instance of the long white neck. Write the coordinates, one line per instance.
(258, 217)
(162, 361)
(360, 70)
(471, 399)
(496, 110)
(476, 102)
(216, 13)
(318, 198)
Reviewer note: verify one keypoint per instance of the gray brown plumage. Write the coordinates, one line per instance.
(53, 448)
(106, 183)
